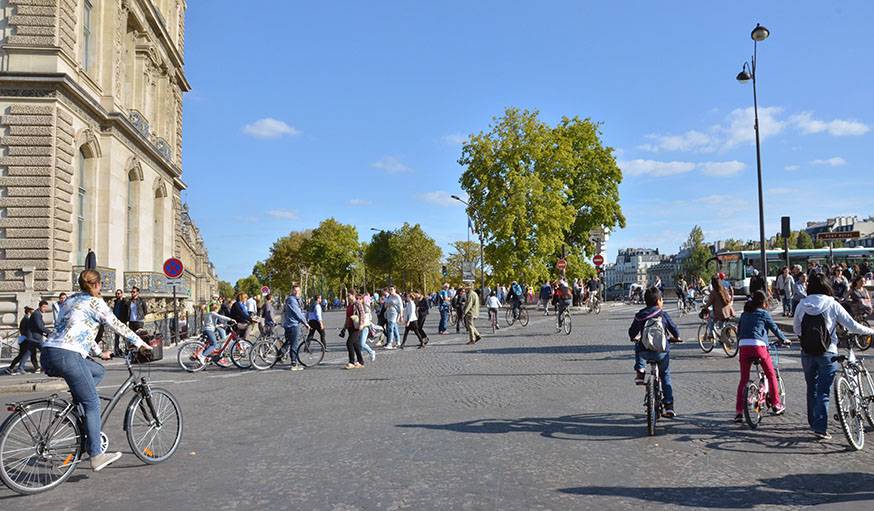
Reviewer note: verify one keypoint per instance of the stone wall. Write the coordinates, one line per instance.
(41, 23)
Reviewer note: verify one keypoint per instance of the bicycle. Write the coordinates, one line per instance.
(42, 441)
(453, 316)
(493, 319)
(861, 342)
(854, 392)
(593, 304)
(519, 314)
(726, 332)
(9, 345)
(233, 350)
(563, 321)
(652, 400)
(269, 352)
(756, 393)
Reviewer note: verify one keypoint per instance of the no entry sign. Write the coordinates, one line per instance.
(598, 259)
(173, 268)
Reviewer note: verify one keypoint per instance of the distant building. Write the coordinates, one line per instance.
(666, 270)
(842, 224)
(631, 266)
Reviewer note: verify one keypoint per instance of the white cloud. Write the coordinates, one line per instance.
(782, 191)
(270, 128)
(656, 168)
(690, 141)
(441, 198)
(359, 202)
(791, 168)
(835, 161)
(740, 127)
(454, 139)
(282, 214)
(722, 168)
(837, 127)
(391, 164)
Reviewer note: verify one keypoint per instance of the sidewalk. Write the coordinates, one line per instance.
(30, 382)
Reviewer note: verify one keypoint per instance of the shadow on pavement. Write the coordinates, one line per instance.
(548, 350)
(788, 490)
(568, 427)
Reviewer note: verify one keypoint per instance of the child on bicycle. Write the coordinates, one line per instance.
(493, 305)
(212, 330)
(654, 310)
(752, 334)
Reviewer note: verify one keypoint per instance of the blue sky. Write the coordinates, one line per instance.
(305, 110)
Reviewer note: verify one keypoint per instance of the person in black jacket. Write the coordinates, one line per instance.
(24, 333)
(459, 301)
(423, 307)
(136, 310)
(37, 332)
(120, 308)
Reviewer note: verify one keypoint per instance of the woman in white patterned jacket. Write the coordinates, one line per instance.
(66, 355)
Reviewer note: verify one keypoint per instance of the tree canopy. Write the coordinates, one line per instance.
(535, 188)
(699, 252)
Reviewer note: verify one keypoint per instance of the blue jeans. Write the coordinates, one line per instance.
(787, 304)
(211, 342)
(819, 373)
(292, 338)
(82, 376)
(643, 355)
(444, 319)
(365, 332)
(392, 332)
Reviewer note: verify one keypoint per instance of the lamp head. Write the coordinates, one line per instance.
(760, 33)
(744, 75)
(456, 197)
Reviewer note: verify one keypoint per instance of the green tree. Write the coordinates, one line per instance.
(804, 240)
(249, 285)
(379, 259)
(732, 245)
(699, 253)
(286, 263)
(416, 257)
(333, 251)
(225, 289)
(463, 251)
(534, 188)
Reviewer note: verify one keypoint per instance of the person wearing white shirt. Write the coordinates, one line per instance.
(252, 306)
(493, 305)
(411, 319)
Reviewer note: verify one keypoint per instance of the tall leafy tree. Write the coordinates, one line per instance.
(535, 189)
(225, 289)
(416, 256)
(248, 285)
(379, 259)
(333, 251)
(286, 263)
(699, 253)
(804, 240)
(462, 251)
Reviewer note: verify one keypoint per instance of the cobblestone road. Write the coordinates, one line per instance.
(526, 419)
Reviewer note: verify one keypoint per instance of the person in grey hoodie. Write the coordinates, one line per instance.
(394, 310)
(819, 369)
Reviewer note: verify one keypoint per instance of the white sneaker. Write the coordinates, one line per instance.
(372, 356)
(100, 461)
(389, 347)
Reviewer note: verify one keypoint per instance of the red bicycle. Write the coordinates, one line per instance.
(233, 350)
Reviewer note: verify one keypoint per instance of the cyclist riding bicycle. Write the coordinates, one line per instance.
(645, 319)
(66, 355)
(682, 289)
(594, 288)
(563, 299)
(213, 331)
(493, 305)
(516, 297)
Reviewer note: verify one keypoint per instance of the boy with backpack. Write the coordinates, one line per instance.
(650, 332)
(815, 321)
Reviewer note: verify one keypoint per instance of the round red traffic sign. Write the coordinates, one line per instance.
(598, 259)
(561, 264)
(173, 268)
(265, 290)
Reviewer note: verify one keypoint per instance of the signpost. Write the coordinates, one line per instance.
(561, 265)
(468, 273)
(173, 269)
(265, 290)
(832, 236)
(598, 260)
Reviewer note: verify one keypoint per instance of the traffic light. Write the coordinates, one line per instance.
(445, 273)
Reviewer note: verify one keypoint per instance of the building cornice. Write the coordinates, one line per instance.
(158, 25)
(108, 120)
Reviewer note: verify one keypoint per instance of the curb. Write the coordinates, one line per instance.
(33, 386)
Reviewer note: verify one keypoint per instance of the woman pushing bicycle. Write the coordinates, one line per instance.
(66, 355)
(752, 334)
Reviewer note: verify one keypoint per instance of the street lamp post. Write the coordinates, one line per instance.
(482, 260)
(748, 72)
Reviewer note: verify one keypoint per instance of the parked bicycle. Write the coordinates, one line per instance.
(513, 315)
(42, 441)
(756, 391)
(271, 351)
(233, 350)
(854, 392)
(722, 332)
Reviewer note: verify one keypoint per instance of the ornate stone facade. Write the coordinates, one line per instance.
(90, 147)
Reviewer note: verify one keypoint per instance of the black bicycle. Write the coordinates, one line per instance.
(652, 400)
(514, 314)
(42, 441)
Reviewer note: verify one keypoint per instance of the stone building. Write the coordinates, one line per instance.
(91, 149)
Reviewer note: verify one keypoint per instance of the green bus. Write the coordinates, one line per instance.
(734, 264)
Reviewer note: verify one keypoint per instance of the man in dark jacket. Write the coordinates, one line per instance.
(120, 309)
(37, 332)
(136, 310)
(23, 340)
(654, 311)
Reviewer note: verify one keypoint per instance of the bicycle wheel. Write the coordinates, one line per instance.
(566, 323)
(310, 353)
(187, 356)
(705, 341)
(650, 405)
(867, 395)
(849, 413)
(509, 318)
(154, 426)
(29, 464)
(453, 317)
(729, 341)
(598, 307)
(523, 317)
(752, 405)
(264, 355)
(240, 353)
(781, 388)
(862, 342)
(681, 308)
(493, 320)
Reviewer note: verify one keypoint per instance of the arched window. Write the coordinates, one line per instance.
(158, 229)
(84, 193)
(82, 208)
(134, 178)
